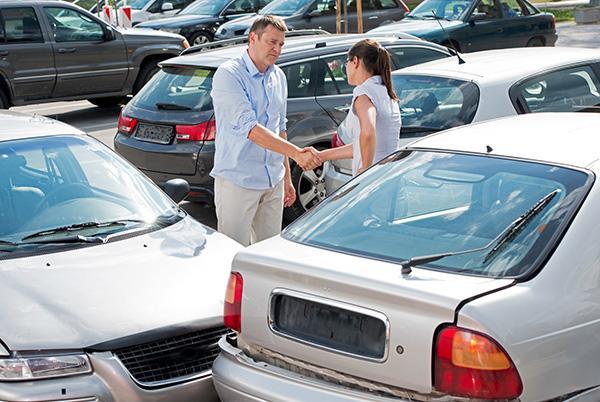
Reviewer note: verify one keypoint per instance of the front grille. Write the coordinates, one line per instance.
(172, 359)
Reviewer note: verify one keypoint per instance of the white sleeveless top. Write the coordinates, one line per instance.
(387, 124)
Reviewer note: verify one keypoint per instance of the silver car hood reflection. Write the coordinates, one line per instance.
(77, 298)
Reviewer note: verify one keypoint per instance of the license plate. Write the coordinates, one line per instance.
(154, 133)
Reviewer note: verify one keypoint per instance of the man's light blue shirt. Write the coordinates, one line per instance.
(243, 97)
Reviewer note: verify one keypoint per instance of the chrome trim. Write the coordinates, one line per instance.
(334, 303)
(35, 77)
(94, 72)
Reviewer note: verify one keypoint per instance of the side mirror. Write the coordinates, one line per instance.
(167, 7)
(477, 17)
(109, 34)
(313, 13)
(177, 189)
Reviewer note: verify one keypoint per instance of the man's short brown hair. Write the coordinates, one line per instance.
(262, 22)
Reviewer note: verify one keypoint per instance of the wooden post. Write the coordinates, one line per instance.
(338, 16)
(359, 15)
(345, 16)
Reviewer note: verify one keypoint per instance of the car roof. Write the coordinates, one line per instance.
(558, 138)
(504, 65)
(15, 125)
(295, 47)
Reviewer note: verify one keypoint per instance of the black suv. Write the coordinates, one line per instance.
(53, 50)
(199, 21)
(168, 129)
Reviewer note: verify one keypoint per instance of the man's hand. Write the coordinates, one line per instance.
(308, 158)
(289, 192)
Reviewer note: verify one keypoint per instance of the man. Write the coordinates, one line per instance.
(251, 168)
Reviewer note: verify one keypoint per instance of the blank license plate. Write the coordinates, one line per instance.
(154, 133)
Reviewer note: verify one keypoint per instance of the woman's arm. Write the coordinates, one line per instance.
(332, 154)
(367, 117)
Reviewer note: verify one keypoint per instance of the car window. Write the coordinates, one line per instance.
(528, 7)
(241, 7)
(332, 78)
(21, 25)
(155, 6)
(179, 4)
(205, 7)
(487, 10)
(72, 26)
(418, 203)
(299, 79)
(387, 4)
(408, 56)
(434, 103)
(326, 7)
(512, 8)
(569, 90)
(286, 8)
(181, 87)
(449, 9)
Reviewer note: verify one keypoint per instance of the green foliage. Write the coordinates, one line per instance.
(561, 14)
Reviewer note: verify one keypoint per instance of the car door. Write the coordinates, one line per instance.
(86, 62)
(485, 27)
(404, 56)
(323, 16)
(376, 12)
(26, 57)
(520, 23)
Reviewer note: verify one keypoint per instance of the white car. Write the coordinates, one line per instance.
(447, 93)
(463, 267)
(108, 290)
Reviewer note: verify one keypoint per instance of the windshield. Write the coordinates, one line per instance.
(285, 8)
(48, 183)
(446, 9)
(187, 88)
(135, 4)
(204, 7)
(417, 203)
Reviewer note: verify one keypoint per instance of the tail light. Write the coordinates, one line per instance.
(471, 364)
(232, 312)
(553, 23)
(336, 141)
(126, 125)
(204, 131)
(404, 6)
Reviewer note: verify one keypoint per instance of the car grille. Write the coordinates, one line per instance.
(172, 359)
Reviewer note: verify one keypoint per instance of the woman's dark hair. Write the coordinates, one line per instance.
(376, 59)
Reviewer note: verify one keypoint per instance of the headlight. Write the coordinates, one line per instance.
(38, 367)
(172, 30)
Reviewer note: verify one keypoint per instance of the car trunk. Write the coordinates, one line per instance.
(352, 315)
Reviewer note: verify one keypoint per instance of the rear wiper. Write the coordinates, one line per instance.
(171, 106)
(501, 240)
(81, 226)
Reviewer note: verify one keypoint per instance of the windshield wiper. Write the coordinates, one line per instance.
(419, 129)
(171, 106)
(80, 226)
(502, 239)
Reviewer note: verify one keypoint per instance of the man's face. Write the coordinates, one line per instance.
(267, 46)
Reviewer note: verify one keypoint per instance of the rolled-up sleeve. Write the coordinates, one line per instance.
(283, 119)
(234, 113)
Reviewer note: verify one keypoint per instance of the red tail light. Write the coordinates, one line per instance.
(126, 125)
(553, 23)
(336, 141)
(232, 312)
(404, 6)
(204, 131)
(471, 364)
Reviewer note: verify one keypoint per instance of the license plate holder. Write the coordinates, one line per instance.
(158, 134)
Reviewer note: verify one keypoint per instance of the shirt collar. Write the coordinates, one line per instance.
(251, 67)
(376, 79)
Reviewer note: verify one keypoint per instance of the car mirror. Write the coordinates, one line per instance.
(313, 13)
(177, 189)
(109, 34)
(167, 7)
(477, 17)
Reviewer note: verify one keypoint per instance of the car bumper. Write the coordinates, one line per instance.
(109, 382)
(241, 379)
(334, 177)
(551, 39)
(162, 163)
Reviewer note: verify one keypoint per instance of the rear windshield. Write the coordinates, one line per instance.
(418, 203)
(182, 88)
(435, 103)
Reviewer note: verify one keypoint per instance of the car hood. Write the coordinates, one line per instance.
(416, 27)
(178, 21)
(79, 298)
(148, 34)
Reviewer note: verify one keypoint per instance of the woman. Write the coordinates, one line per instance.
(373, 120)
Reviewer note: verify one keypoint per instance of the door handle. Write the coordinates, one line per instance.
(67, 50)
(499, 30)
(343, 108)
(373, 17)
(3, 52)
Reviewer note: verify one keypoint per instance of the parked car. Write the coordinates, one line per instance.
(168, 129)
(471, 25)
(460, 268)
(199, 21)
(440, 95)
(55, 51)
(144, 10)
(109, 291)
(319, 14)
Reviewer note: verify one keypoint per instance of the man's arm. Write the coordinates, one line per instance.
(289, 195)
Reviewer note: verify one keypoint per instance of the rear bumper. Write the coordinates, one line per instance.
(551, 39)
(239, 378)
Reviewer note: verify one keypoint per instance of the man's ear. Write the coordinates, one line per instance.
(252, 37)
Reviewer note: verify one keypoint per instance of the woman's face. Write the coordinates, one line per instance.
(352, 65)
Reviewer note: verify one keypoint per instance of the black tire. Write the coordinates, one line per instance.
(310, 190)
(200, 38)
(111, 101)
(535, 42)
(146, 72)
(4, 102)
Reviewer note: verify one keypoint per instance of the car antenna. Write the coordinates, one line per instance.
(450, 46)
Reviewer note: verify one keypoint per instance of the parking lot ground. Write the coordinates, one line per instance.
(578, 35)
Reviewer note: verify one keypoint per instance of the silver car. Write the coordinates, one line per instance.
(108, 290)
(464, 267)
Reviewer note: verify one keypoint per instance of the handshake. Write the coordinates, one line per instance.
(308, 158)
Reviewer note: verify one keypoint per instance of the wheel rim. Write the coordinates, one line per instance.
(311, 187)
(200, 40)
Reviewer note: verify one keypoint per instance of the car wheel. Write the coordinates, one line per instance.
(535, 42)
(310, 190)
(107, 102)
(146, 72)
(200, 38)
(4, 102)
